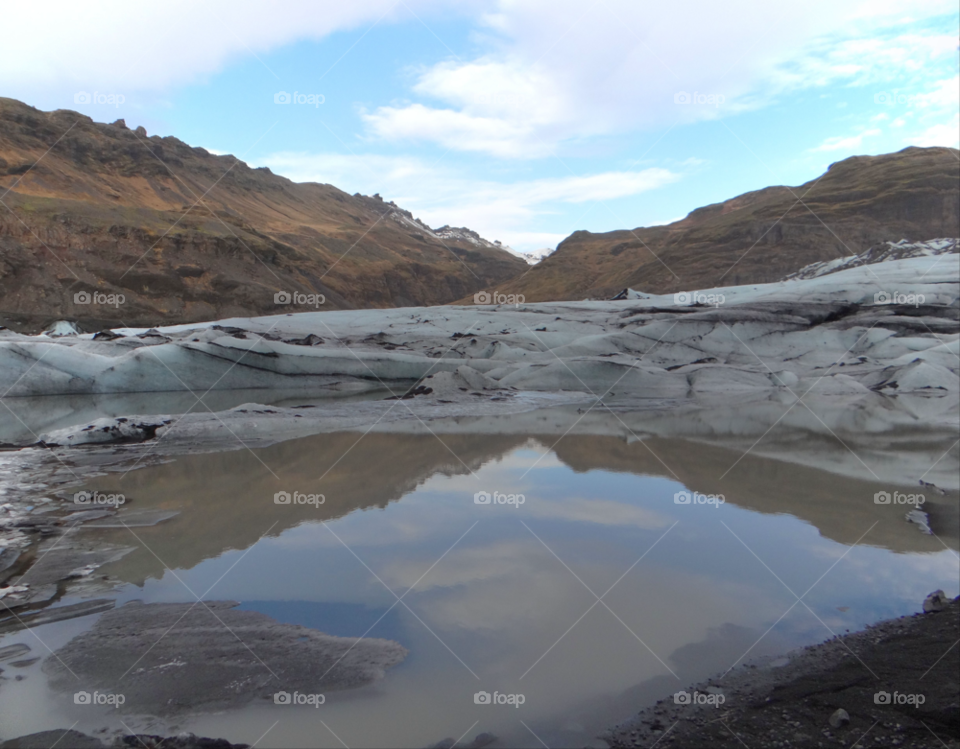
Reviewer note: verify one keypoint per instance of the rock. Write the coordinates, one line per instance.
(121, 123)
(308, 340)
(839, 718)
(934, 602)
(141, 131)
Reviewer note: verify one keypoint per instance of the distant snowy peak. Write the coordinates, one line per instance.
(450, 233)
(880, 253)
(463, 234)
(533, 257)
(536, 256)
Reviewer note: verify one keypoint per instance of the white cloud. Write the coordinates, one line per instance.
(557, 70)
(840, 143)
(924, 117)
(549, 72)
(944, 94)
(121, 46)
(442, 195)
(943, 134)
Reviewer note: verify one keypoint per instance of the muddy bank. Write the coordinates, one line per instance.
(196, 657)
(894, 684)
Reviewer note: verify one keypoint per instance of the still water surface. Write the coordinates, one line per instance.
(594, 597)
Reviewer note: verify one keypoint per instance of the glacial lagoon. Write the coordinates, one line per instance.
(587, 584)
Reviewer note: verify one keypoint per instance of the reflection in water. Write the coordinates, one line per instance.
(595, 596)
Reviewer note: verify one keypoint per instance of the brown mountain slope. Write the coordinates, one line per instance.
(185, 235)
(761, 236)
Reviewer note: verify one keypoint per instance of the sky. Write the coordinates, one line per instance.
(525, 120)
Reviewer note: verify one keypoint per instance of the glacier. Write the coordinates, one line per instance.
(888, 327)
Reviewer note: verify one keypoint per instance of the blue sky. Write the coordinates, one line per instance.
(523, 120)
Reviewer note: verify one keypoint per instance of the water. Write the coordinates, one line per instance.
(597, 595)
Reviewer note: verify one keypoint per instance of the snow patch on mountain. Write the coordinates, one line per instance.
(881, 253)
(451, 233)
(455, 234)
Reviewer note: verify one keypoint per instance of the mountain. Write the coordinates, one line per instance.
(762, 236)
(468, 235)
(535, 256)
(153, 231)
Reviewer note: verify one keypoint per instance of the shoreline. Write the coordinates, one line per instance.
(802, 702)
